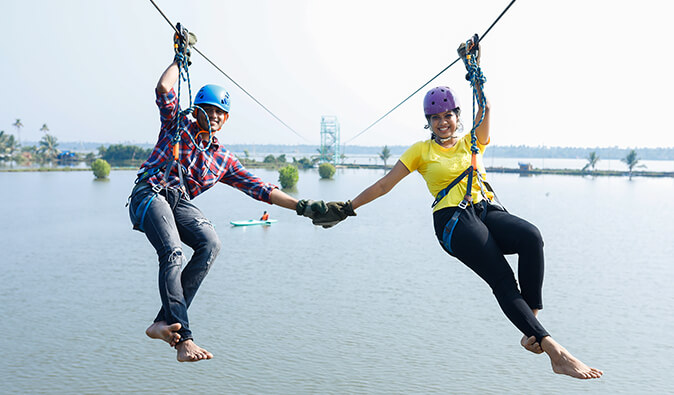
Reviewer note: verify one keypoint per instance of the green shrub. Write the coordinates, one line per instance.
(326, 170)
(101, 168)
(288, 176)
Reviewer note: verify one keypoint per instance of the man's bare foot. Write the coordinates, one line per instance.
(168, 333)
(564, 363)
(188, 351)
(531, 344)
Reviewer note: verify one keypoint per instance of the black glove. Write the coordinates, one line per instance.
(337, 212)
(182, 43)
(311, 208)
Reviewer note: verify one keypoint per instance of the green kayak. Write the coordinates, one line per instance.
(252, 222)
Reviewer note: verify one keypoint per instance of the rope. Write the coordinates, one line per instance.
(228, 77)
(477, 80)
(184, 75)
(429, 81)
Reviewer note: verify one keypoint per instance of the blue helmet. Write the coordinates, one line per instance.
(214, 95)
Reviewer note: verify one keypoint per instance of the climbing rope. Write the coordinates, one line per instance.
(469, 53)
(470, 56)
(429, 81)
(228, 77)
(182, 60)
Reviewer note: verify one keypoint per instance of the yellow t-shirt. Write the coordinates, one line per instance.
(440, 166)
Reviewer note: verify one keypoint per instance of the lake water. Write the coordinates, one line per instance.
(371, 306)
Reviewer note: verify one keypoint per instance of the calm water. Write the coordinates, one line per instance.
(371, 306)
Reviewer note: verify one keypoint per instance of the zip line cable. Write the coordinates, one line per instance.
(429, 81)
(228, 77)
(372, 124)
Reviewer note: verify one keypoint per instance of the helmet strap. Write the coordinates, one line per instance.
(443, 140)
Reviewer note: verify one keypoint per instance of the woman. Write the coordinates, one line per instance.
(474, 229)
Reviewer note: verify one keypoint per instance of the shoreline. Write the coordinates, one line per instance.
(521, 172)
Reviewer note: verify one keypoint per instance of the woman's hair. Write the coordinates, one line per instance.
(456, 111)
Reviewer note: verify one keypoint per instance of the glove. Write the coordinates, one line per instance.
(182, 43)
(311, 208)
(337, 212)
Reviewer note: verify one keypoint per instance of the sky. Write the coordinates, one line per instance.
(567, 73)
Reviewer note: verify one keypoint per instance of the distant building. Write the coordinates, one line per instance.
(66, 157)
(525, 166)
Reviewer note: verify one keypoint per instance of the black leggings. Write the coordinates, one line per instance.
(481, 245)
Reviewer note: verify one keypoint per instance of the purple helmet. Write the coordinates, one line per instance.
(440, 99)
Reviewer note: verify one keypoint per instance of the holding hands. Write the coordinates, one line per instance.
(325, 215)
(337, 212)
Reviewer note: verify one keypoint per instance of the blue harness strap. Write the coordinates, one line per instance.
(148, 173)
(467, 200)
(451, 185)
(144, 206)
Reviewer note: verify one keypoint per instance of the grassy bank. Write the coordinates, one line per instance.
(258, 165)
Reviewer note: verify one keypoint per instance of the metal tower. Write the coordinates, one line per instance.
(329, 139)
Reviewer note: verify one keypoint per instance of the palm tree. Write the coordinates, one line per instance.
(385, 154)
(632, 160)
(18, 125)
(591, 161)
(8, 144)
(44, 128)
(48, 145)
(3, 143)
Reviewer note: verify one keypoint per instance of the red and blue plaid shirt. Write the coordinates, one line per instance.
(201, 168)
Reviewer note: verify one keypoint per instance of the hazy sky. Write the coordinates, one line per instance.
(563, 73)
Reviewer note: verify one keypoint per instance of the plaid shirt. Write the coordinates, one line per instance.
(201, 169)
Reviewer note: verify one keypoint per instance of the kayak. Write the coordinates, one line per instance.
(252, 222)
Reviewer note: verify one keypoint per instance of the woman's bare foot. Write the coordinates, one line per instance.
(188, 351)
(168, 333)
(531, 344)
(564, 363)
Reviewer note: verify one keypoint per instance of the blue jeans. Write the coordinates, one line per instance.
(168, 221)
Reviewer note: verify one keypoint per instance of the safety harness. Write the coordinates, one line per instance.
(182, 40)
(469, 55)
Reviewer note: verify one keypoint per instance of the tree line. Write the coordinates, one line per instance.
(47, 152)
